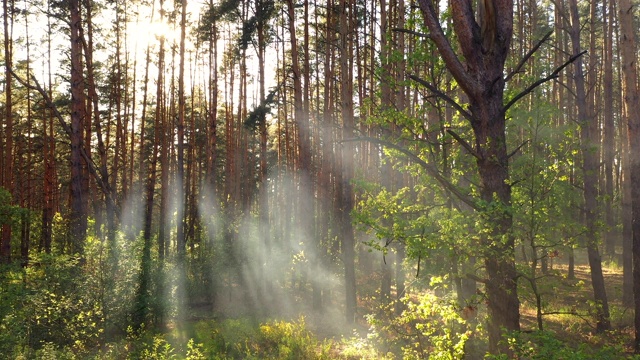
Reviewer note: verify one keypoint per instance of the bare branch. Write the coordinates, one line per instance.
(464, 144)
(476, 278)
(516, 149)
(528, 55)
(411, 32)
(551, 76)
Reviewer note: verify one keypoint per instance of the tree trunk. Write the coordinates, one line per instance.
(348, 126)
(48, 149)
(485, 46)
(78, 216)
(632, 102)
(7, 151)
(588, 144)
(609, 144)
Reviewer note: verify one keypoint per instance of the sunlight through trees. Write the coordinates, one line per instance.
(319, 179)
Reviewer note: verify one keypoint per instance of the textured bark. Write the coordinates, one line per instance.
(181, 186)
(306, 216)
(632, 101)
(7, 150)
(485, 46)
(78, 216)
(264, 198)
(212, 116)
(348, 126)
(588, 147)
(608, 141)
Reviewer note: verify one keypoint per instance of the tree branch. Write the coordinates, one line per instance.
(516, 149)
(411, 32)
(441, 95)
(528, 55)
(464, 144)
(551, 76)
(429, 168)
(458, 71)
(476, 278)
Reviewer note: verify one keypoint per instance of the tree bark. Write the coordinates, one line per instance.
(485, 47)
(588, 145)
(7, 151)
(78, 216)
(347, 154)
(608, 142)
(632, 101)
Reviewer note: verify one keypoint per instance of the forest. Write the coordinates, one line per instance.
(319, 179)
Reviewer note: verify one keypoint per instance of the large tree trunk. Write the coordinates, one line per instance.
(632, 101)
(485, 46)
(78, 216)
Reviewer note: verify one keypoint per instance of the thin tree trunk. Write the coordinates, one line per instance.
(609, 132)
(348, 126)
(588, 140)
(7, 159)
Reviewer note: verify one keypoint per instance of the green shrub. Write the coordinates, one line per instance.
(242, 339)
(428, 328)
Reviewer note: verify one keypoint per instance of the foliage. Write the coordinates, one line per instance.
(541, 345)
(9, 214)
(428, 328)
(49, 303)
(240, 339)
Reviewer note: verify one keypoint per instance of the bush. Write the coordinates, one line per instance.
(428, 328)
(542, 345)
(240, 339)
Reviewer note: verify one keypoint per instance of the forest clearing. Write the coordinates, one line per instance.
(319, 179)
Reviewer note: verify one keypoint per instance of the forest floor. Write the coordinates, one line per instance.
(567, 305)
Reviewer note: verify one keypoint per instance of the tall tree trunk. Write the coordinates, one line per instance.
(93, 97)
(588, 143)
(346, 174)
(632, 101)
(181, 114)
(485, 46)
(7, 151)
(305, 217)
(608, 142)
(212, 134)
(263, 199)
(48, 158)
(78, 216)
(27, 198)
